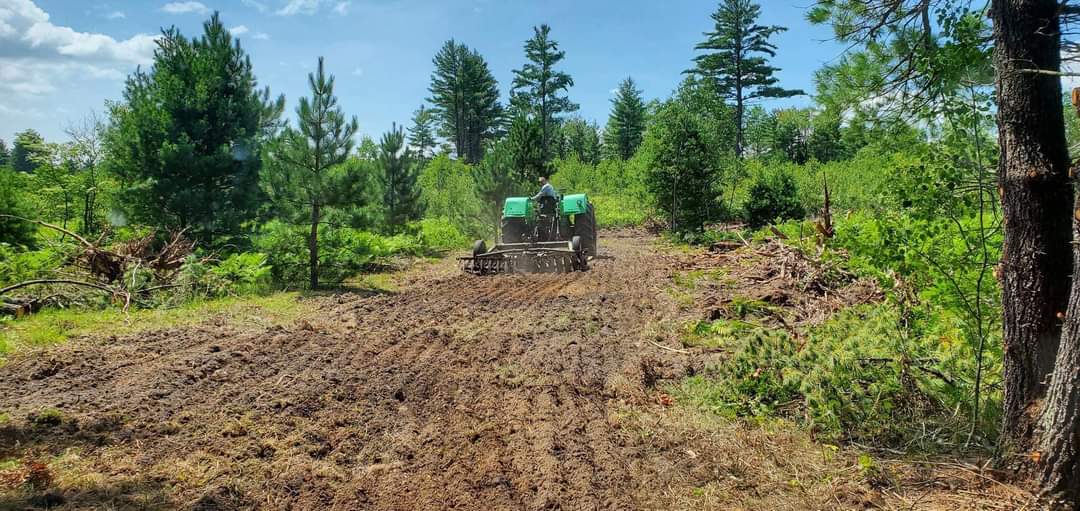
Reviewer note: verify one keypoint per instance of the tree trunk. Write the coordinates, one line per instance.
(1036, 202)
(313, 246)
(1059, 427)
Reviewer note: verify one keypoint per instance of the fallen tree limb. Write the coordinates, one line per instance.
(81, 239)
(60, 281)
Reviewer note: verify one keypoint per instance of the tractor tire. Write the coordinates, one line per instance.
(585, 227)
(479, 248)
(514, 230)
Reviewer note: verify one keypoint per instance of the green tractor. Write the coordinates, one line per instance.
(551, 235)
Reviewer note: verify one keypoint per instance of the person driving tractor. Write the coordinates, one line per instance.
(546, 190)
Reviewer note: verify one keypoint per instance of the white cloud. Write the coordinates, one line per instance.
(309, 7)
(261, 36)
(299, 7)
(116, 15)
(36, 55)
(259, 6)
(238, 30)
(185, 8)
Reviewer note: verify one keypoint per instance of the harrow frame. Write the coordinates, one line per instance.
(540, 257)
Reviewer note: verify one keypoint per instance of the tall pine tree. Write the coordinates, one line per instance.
(465, 97)
(305, 175)
(422, 132)
(185, 142)
(736, 59)
(401, 196)
(537, 86)
(626, 125)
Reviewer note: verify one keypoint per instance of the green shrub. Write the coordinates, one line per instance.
(21, 265)
(13, 201)
(772, 196)
(439, 235)
(852, 378)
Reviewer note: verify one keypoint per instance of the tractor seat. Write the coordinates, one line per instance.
(548, 205)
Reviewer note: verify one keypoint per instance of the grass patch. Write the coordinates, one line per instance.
(55, 326)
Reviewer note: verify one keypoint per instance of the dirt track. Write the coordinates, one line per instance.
(456, 392)
(534, 392)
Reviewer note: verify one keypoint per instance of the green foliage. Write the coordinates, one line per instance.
(772, 196)
(240, 274)
(186, 141)
(440, 235)
(496, 180)
(13, 201)
(537, 86)
(342, 253)
(626, 124)
(525, 145)
(401, 196)
(852, 378)
(19, 265)
(736, 59)
(27, 153)
(580, 139)
(465, 99)
(5, 154)
(448, 191)
(308, 167)
(422, 132)
(683, 176)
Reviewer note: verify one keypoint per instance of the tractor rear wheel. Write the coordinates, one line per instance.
(479, 248)
(514, 230)
(585, 227)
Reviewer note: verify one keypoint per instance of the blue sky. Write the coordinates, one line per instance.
(60, 59)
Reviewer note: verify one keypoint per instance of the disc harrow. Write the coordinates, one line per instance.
(525, 259)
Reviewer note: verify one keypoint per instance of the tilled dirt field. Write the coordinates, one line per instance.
(453, 392)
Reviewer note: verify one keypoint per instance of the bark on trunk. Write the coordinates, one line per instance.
(1059, 431)
(1036, 203)
(313, 246)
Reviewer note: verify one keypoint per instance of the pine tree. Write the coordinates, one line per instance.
(537, 86)
(496, 179)
(422, 132)
(5, 155)
(525, 149)
(401, 196)
(580, 139)
(465, 99)
(306, 174)
(737, 59)
(626, 125)
(186, 141)
(29, 147)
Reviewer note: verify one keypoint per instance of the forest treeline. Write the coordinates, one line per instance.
(933, 158)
